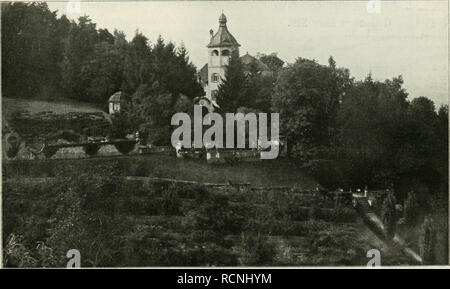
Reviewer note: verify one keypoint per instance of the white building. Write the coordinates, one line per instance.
(221, 45)
(115, 102)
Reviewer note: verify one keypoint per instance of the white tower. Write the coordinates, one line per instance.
(220, 48)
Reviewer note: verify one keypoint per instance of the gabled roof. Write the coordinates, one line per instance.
(203, 73)
(222, 37)
(247, 59)
(115, 97)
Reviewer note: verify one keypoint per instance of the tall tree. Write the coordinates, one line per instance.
(272, 61)
(371, 122)
(79, 50)
(31, 41)
(307, 96)
(233, 88)
(138, 65)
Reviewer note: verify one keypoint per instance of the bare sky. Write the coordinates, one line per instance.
(407, 37)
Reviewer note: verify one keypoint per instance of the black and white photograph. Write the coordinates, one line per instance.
(224, 134)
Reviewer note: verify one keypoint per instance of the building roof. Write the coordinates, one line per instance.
(203, 73)
(247, 59)
(222, 37)
(116, 97)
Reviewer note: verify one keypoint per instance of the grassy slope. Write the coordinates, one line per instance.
(292, 249)
(280, 172)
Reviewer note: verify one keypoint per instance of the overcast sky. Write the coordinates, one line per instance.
(407, 37)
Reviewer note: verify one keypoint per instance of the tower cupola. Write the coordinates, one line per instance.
(222, 20)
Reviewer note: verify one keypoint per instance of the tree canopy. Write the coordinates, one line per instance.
(48, 56)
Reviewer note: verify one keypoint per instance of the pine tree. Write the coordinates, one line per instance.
(233, 89)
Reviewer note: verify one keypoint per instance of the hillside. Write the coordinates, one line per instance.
(11, 105)
(161, 224)
(280, 172)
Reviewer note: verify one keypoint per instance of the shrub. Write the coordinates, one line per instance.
(257, 250)
(427, 241)
(215, 213)
(411, 209)
(327, 173)
(170, 203)
(334, 244)
(17, 254)
(388, 215)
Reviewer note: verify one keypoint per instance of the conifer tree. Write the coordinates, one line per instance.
(233, 89)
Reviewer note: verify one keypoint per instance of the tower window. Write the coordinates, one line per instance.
(225, 52)
(215, 52)
(215, 77)
(214, 94)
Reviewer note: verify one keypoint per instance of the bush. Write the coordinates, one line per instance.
(326, 172)
(427, 241)
(170, 203)
(411, 209)
(17, 254)
(215, 213)
(257, 250)
(389, 215)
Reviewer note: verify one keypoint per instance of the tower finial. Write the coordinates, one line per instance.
(222, 19)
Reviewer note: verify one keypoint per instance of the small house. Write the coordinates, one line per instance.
(115, 102)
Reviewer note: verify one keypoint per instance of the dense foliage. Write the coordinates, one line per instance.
(115, 222)
(45, 56)
(42, 53)
(248, 86)
(307, 97)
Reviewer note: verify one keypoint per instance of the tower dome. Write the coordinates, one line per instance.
(223, 37)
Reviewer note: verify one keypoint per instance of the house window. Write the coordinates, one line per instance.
(214, 94)
(215, 52)
(215, 77)
(225, 52)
